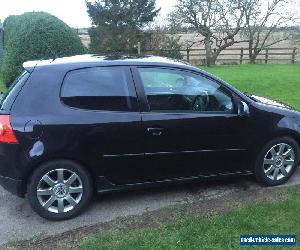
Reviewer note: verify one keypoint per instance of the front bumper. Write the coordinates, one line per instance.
(14, 186)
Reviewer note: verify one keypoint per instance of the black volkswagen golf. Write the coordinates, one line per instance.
(73, 126)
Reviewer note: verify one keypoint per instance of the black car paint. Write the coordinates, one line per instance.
(125, 150)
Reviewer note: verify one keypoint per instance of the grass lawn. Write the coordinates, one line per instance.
(220, 231)
(279, 82)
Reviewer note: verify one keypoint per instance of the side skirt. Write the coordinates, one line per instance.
(105, 186)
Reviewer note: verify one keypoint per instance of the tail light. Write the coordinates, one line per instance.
(7, 134)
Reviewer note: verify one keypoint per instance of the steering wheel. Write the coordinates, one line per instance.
(201, 102)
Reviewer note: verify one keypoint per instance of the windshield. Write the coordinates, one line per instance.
(9, 97)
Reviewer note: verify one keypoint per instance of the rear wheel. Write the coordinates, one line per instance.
(277, 161)
(59, 190)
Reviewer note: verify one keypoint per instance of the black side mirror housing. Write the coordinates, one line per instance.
(243, 109)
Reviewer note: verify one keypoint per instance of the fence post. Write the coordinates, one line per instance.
(294, 55)
(188, 55)
(267, 56)
(242, 55)
(139, 48)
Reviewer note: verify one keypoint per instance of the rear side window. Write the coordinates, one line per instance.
(101, 88)
(14, 89)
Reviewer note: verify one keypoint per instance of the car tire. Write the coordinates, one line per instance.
(59, 190)
(277, 161)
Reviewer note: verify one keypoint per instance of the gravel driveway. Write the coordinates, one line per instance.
(18, 221)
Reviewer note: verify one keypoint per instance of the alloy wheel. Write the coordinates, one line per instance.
(278, 161)
(60, 191)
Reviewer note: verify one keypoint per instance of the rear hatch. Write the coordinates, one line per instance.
(8, 98)
(6, 131)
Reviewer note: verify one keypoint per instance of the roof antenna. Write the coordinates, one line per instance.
(53, 53)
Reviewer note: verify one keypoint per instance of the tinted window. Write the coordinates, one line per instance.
(101, 88)
(182, 91)
(14, 89)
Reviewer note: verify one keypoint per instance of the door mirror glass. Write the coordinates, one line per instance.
(243, 109)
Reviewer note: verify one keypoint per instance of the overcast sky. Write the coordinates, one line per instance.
(73, 12)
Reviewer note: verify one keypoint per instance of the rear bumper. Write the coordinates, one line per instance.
(14, 186)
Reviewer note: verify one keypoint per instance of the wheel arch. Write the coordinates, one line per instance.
(38, 163)
(265, 139)
(292, 134)
(275, 140)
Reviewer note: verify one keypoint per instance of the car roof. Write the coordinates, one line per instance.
(89, 60)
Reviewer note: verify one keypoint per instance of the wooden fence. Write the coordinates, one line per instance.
(240, 55)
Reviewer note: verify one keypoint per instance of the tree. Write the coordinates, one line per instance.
(35, 36)
(216, 21)
(171, 47)
(118, 24)
(263, 20)
(155, 38)
(163, 41)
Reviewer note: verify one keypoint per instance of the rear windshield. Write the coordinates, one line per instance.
(9, 97)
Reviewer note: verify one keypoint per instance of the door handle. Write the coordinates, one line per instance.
(155, 131)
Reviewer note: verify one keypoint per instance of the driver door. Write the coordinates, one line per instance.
(190, 123)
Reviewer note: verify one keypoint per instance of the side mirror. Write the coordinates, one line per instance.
(243, 109)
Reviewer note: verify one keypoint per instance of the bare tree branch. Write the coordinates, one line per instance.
(262, 23)
(217, 21)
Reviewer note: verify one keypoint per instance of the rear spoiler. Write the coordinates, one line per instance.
(30, 65)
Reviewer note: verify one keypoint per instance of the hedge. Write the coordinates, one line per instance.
(30, 36)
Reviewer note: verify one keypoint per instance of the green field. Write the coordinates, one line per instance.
(220, 231)
(279, 82)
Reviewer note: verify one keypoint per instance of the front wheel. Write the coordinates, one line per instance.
(59, 190)
(277, 161)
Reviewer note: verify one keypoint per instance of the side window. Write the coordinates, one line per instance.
(10, 96)
(181, 91)
(100, 88)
